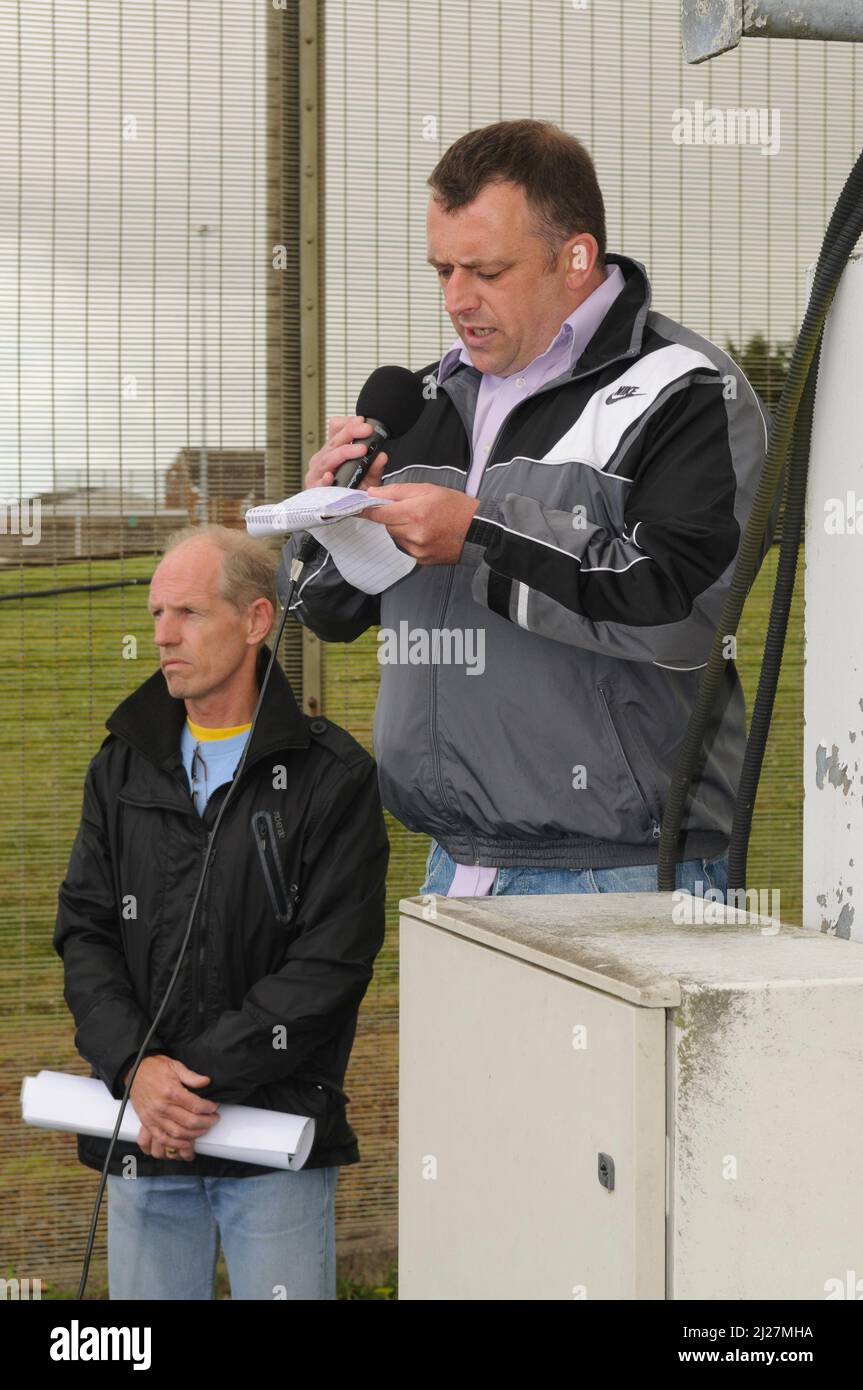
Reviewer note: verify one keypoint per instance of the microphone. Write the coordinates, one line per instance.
(391, 402)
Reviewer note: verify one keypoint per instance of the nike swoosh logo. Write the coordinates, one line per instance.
(623, 393)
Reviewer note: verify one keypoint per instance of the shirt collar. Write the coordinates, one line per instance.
(151, 720)
(202, 734)
(576, 330)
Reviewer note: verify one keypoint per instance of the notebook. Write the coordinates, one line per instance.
(363, 551)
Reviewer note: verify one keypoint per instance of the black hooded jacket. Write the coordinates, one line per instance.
(286, 932)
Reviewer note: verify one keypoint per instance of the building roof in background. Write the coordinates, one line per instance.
(103, 501)
(231, 472)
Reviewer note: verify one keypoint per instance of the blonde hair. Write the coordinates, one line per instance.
(249, 564)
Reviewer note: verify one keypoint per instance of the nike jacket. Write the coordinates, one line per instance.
(593, 575)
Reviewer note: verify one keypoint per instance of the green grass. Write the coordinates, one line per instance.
(62, 671)
(346, 1289)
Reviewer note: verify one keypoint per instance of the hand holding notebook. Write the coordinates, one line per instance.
(364, 554)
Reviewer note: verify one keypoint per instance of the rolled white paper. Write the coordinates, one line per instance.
(242, 1133)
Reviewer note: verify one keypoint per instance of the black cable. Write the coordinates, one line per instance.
(839, 241)
(296, 570)
(777, 628)
(72, 589)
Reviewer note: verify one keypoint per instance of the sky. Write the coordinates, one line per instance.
(120, 141)
(129, 124)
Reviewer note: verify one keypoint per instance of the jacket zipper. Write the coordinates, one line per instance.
(432, 674)
(655, 827)
(199, 947)
(273, 875)
(433, 706)
(443, 608)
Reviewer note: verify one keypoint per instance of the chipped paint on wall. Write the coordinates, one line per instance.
(842, 925)
(831, 768)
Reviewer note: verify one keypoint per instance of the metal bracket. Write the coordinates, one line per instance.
(710, 27)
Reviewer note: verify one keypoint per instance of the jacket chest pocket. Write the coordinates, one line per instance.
(282, 895)
(151, 848)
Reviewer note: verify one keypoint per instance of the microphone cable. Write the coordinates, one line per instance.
(392, 394)
(296, 569)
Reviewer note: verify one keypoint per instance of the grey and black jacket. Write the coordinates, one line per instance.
(595, 569)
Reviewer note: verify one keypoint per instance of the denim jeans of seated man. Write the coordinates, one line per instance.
(277, 1231)
(627, 878)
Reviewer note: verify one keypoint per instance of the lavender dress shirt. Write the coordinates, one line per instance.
(497, 397)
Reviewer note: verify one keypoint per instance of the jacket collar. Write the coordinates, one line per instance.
(620, 333)
(622, 330)
(151, 720)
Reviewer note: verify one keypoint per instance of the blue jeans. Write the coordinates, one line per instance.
(277, 1232)
(629, 878)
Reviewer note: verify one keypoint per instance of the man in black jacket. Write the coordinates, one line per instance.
(264, 1009)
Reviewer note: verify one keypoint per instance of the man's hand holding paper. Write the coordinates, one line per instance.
(427, 521)
(172, 1117)
(370, 560)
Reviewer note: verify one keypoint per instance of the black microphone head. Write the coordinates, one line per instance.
(394, 397)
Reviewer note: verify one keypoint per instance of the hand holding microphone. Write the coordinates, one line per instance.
(427, 521)
(347, 443)
(390, 403)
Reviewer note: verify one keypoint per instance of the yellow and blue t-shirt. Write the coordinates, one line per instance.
(221, 750)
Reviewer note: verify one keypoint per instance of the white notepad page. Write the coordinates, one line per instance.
(363, 551)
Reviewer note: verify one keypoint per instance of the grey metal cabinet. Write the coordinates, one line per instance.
(599, 1101)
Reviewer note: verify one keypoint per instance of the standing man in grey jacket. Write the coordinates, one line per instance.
(574, 493)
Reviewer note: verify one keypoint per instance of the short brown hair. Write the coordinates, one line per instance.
(249, 563)
(554, 169)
